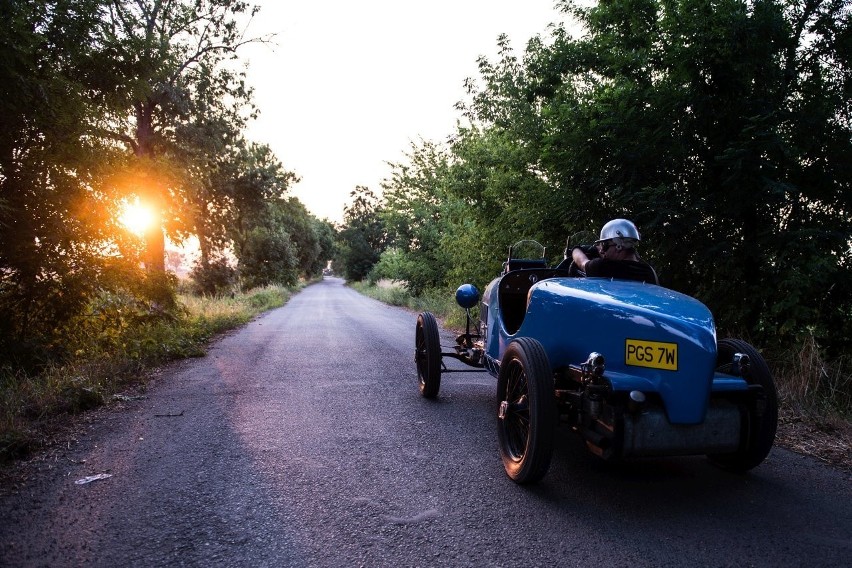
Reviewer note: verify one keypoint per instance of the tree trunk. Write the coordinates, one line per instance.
(155, 242)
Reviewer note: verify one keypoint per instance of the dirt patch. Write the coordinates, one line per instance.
(57, 435)
(830, 443)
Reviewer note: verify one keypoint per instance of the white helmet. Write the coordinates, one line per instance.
(620, 232)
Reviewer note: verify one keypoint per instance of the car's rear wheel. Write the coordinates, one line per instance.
(760, 417)
(527, 417)
(427, 355)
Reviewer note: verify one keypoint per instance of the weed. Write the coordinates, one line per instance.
(810, 385)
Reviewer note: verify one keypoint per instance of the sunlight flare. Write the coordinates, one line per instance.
(136, 217)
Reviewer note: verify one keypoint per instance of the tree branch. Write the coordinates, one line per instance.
(117, 136)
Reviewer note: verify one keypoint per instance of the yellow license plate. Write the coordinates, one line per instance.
(652, 354)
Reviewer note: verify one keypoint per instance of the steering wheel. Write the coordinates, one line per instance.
(568, 263)
(572, 268)
(575, 271)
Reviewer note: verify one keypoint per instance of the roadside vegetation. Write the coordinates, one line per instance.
(116, 356)
(439, 302)
(123, 161)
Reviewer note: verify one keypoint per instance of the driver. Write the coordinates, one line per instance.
(618, 257)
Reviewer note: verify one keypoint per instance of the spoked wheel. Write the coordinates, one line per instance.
(427, 355)
(761, 417)
(527, 416)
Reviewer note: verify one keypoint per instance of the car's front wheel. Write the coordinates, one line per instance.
(527, 416)
(427, 355)
(760, 417)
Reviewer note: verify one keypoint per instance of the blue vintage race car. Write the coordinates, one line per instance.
(633, 367)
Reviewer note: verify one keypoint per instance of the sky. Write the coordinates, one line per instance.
(350, 85)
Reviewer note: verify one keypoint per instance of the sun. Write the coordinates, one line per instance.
(137, 217)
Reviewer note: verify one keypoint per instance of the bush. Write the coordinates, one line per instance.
(268, 257)
(214, 279)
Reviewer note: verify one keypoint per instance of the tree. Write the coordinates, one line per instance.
(268, 257)
(282, 245)
(231, 198)
(414, 215)
(326, 238)
(167, 60)
(55, 222)
(720, 127)
(254, 183)
(362, 237)
(215, 277)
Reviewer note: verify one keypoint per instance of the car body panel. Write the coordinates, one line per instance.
(573, 317)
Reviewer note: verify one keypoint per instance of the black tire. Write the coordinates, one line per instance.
(527, 416)
(760, 419)
(427, 355)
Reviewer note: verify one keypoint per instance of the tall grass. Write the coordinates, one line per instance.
(113, 355)
(440, 302)
(812, 386)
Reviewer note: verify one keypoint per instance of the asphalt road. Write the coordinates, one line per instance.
(302, 440)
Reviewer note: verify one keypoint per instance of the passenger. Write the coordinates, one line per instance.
(618, 257)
